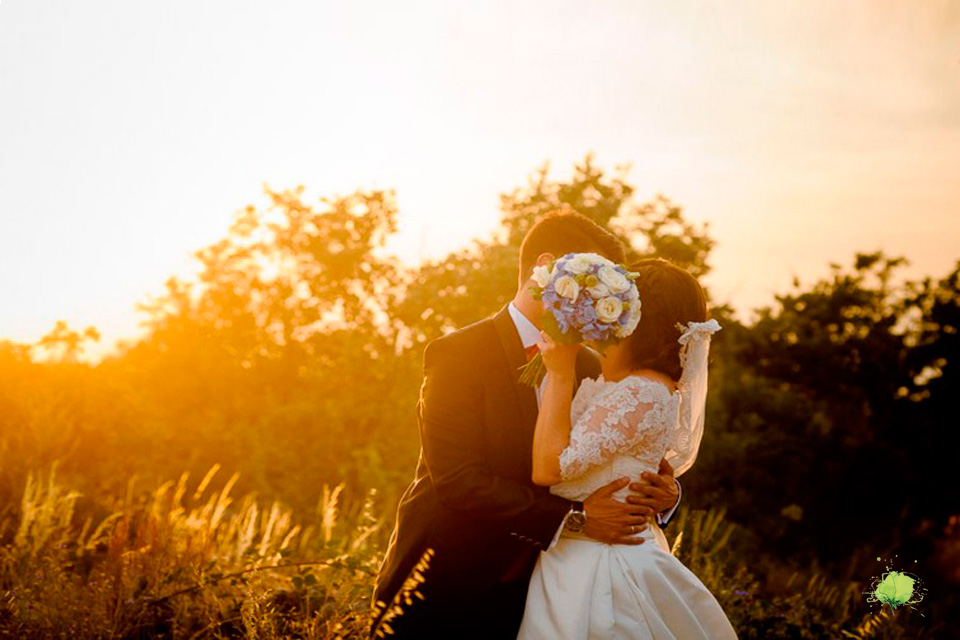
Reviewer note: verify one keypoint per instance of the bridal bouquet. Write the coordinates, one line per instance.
(585, 297)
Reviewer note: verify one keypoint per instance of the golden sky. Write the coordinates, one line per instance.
(130, 132)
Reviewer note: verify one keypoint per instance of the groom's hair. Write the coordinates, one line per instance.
(668, 296)
(563, 232)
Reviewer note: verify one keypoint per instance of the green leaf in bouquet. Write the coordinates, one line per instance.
(549, 323)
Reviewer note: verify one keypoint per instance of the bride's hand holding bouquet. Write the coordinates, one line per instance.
(558, 359)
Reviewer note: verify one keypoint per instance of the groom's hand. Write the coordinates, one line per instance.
(657, 491)
(612, 521)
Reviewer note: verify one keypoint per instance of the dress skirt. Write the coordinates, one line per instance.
(583, 589)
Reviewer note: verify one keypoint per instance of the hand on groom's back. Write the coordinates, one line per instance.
(615, 522)
(612, 521)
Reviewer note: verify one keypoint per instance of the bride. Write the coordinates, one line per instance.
(647, 403)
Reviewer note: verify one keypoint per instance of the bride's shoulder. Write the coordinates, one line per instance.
(588, 391)
(590, 385)
(592, 381)
(647, 389)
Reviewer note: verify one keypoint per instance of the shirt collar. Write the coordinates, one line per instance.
(529, 334)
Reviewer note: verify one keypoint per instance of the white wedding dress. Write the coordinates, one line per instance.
(584, 589)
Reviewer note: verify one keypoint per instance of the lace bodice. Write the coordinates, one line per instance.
(619, 429)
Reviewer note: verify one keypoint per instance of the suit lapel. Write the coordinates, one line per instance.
(513, 432)
(514, 358)
(587, 366)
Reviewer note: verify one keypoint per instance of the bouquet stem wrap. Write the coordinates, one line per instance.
(533, 372)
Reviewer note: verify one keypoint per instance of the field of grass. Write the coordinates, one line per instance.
(184, 561)
(188, 559)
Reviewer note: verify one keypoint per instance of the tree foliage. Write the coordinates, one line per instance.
(829, 411)
(286, 344)
(476, 281)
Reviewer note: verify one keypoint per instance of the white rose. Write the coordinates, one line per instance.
(609, 309)
(567, 287)
(595, 258)
(617, 282)
(541, 275)
(577, 264)
(599, 290)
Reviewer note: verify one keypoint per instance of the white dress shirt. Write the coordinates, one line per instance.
(529, 336)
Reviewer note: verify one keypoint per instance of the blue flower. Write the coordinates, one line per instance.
(585, 313)
(593, 330)
(561, 262)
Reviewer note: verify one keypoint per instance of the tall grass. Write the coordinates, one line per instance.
(184, 561)
(191, 560)
(807, 605)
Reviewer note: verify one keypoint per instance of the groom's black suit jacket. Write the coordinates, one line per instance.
(472, 500)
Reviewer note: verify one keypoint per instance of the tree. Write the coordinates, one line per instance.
(66, 345)
(274, 357)
(933, 367)
(826, 430)
(475, 282)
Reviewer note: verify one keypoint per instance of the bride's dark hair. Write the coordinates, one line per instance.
(668, 296)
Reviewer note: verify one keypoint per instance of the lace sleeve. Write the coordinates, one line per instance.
(614, 423)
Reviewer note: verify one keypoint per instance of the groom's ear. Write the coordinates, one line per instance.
(542, 260)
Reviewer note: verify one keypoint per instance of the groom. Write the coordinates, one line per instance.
(472, 501)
